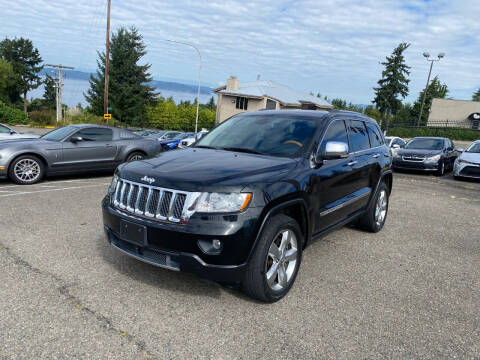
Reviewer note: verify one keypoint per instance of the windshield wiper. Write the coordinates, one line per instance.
(242, 150)
(207, 147)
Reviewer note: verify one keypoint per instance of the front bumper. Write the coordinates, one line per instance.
(466, 170)
(176, 247)
(414, 165)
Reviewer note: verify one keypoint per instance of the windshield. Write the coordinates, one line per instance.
(170, 136)
(157, 135)
(474, 148)
(425, 144)
(277, 135)
(59, 134)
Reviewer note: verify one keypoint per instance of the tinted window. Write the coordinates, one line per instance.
(358, 136)
(277, 135)
(335, 132)
(374, 135)
(4, 129)
(95, 134)
(125, 134)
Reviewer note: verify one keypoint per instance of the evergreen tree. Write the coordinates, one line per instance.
(8, 83)
(129, 93)
(211, 104)
(476, 95)
(25, 60)
(435, 90)
(394, 83)
(49, 93)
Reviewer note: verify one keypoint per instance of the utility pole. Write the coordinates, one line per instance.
(427, 56)
(107, 60)
(59, 101)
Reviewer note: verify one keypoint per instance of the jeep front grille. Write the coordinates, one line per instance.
(149, 201)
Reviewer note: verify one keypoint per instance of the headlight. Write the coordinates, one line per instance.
(113, 185)
(433, 159)
(218, 202)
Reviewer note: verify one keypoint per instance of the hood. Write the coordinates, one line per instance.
(19, 136)
(23, 142)
(471, 157)
(199, 169)
(418, 152)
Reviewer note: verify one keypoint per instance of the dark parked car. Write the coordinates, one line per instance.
(241, 205)
(434, 154)
(72, 149)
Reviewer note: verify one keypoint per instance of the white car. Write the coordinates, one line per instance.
(394, 142)
(189, 141)
(7, 133)
(468, 163)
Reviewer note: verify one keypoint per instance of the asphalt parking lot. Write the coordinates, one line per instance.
(410, 291)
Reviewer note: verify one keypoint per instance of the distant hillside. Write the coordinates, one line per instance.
(157, 84)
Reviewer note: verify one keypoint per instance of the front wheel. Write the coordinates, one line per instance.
(374, 219)
(26, 170)
(134, 156)
(441, 168)
(275, 262)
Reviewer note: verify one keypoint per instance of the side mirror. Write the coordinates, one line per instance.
(75, 139)
(333, 150)
(396, 146)
(460, 150)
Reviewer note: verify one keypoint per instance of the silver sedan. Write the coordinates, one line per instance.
(72, 149)
(7, 133)
(468, 163)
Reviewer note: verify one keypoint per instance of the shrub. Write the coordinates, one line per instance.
(42, 117)
(11, 116)
(451, 133)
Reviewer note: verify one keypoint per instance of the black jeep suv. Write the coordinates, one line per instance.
(240, 205)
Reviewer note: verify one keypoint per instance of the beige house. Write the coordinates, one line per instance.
(236, 97)
(455, 113)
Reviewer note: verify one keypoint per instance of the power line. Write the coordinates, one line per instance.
(59, 87)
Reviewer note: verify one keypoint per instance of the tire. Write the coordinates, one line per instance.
(135, 156)
(26, 170)
(441, 168)
(269, 258)
(374, 219)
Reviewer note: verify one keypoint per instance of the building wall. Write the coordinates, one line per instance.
(456, 112)
(226, 106)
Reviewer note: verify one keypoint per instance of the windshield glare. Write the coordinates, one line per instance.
(473, 148)
(59, 134)
(278, 135)
(425, 144)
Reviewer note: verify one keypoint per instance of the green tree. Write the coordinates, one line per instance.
(8, 83)
(435, 90)
(393, 84)
(129, 93)
(476, 95)
(26, 61)
(49, 93)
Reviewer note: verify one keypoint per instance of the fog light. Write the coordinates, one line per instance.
(210, 247)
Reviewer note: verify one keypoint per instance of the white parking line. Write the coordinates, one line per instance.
(57, 189)
(56, 182)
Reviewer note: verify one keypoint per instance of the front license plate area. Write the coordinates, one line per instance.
(133, 233)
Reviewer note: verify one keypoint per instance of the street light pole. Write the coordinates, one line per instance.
(199, 75)
(427, 56)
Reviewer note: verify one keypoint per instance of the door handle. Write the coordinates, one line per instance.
(351, 163)
(376, 156)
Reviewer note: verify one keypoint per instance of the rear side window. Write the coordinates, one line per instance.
(374, 135)
(125, 135)
(96, 134)
(335, 132)
(358, 136)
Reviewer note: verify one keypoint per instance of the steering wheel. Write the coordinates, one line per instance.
(294, 142)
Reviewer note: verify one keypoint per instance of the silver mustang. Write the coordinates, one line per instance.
(72, 149)
(468, 163)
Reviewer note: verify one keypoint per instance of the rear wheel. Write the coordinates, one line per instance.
(135, 156)
(274, 264)
(374, 219)
(26, 170)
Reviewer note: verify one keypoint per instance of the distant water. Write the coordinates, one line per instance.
(73, 90)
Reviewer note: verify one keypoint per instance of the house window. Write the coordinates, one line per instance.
(241, 103)
(271, 105)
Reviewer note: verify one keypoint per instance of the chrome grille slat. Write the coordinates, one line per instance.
(150, 201)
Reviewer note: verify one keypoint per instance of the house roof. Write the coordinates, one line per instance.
(274, 90)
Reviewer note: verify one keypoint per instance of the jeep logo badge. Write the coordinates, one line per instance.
(148, 179)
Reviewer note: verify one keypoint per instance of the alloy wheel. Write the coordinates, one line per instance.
(381, 208)
(27, 170)
(281, 260)
(136, 157)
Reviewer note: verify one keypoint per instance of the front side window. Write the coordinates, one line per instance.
(374, 135)
(95, 134)
(276, 135)
(358, 136)
(425, 144)
(241, 103)
(335, 132)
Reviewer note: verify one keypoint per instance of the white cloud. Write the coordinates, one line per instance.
(333, 47)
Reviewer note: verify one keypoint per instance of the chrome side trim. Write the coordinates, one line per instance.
(348, 202)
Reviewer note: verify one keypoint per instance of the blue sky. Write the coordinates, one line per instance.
(326, 46)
